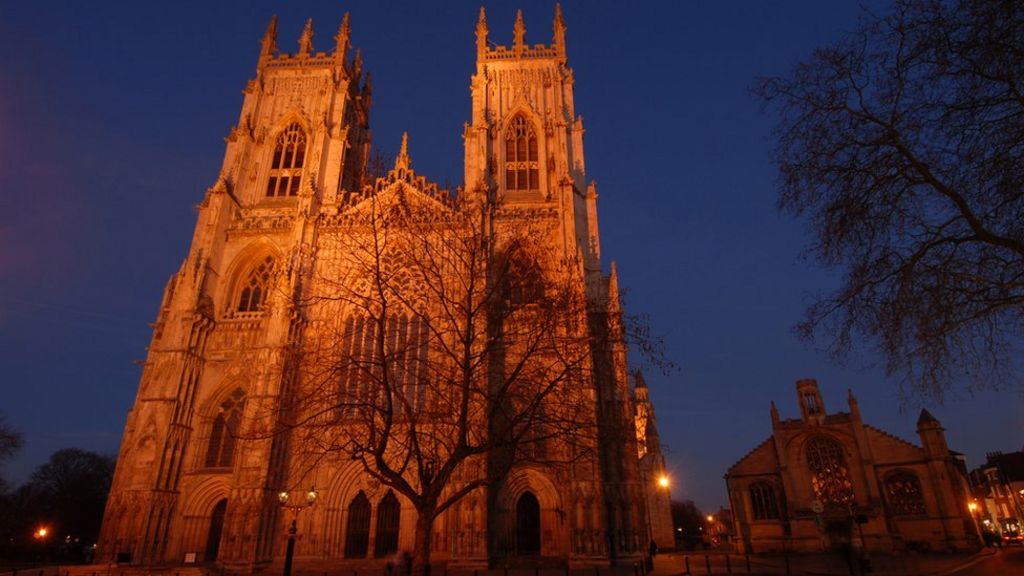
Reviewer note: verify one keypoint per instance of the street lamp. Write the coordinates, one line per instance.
(295, 508)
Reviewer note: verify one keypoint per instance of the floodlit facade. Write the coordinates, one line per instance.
(829, 481)
(198, 478)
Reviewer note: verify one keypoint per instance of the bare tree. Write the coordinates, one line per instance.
(10, 442)
(902, 147)
(445, 344)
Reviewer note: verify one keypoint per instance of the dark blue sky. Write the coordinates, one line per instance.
(112, 119)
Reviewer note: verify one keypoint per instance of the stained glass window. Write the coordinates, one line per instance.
(521, 165)
(257, 284)
(830, 476)
(762, 500)
(286, 165)
(220, 451)
(903, 490)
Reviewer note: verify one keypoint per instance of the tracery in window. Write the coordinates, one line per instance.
(521, 165)
(286, 166)
(223, 434)
(253, 295)
(762, 501)
(830, 476)
(405, 348)
(903, 490)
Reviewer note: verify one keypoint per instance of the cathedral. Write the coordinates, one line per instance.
(830, 481)
(300, 397)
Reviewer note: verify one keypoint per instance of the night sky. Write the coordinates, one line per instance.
(112, 119)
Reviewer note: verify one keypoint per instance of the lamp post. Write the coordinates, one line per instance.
(292, 529)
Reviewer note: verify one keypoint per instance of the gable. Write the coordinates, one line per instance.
(888, 447)
(760, 460)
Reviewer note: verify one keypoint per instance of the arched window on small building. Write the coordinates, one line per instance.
(903, 490)
(763, 502)
(830, 475)
(286, 165)
(220, 452)
(522, 169)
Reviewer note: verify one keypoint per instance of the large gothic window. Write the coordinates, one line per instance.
(357, 529)
(388, 516)
(830, 476)
(220, 451)
(903, 490)
(405, 349)
(253, 295)
(521, 165)
(286, 166)
(762, 501)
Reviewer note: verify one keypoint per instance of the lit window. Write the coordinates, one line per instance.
(286, 166)
(221, 450)
(521, 166)
(904, 492)
(830, 476)
(254, 291)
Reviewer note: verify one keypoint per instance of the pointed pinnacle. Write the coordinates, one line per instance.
(306, 39)
(343, 33)
(402, 160)
(519, 31)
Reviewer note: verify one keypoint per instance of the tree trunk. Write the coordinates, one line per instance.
(422, 543)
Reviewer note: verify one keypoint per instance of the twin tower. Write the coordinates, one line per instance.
(192, 486)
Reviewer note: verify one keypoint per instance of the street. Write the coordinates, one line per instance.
(1007, 563)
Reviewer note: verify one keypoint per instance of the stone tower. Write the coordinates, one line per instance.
(197, 479)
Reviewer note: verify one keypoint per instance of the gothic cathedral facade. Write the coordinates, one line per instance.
(192, 486)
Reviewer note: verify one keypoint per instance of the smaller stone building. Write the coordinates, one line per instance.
(829, 481)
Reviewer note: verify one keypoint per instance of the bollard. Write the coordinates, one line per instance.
(785, 556)
(707, 563)
(566, 569)
(728, 565)
(686, 561)
(536, 571)
(597, 572)
(747, 556)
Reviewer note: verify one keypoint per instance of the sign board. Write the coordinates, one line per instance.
(190, 558)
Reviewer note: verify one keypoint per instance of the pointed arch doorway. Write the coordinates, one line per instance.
(528, 525)
(216, 528)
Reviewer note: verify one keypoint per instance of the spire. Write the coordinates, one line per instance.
(614, 304)
(640, 382)
(851, 400)
(774, 414)
(481, 34)
(341, 39)
(926, 420)
(559, 37)
(519, 33)
(269, 42)
(357, 64)
(306, 39)
(402, 160)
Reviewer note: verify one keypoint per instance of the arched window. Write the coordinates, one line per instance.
(762, 500)
(286, 166)
(521, 165)
(357, 529)
(903, 490)
(221, 450)
(388, 516)
(255, 286)
(405, 349)
(830, 476)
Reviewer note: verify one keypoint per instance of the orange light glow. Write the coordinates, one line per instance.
(663, 481)
(41, 533)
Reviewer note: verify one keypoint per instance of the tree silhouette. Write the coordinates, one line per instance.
(902, 147)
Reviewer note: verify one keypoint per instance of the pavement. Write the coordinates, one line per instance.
(910, 564)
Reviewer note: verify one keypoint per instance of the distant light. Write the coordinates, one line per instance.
(711, 518)
(972, 506)
(41, 532)
(663, 481)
